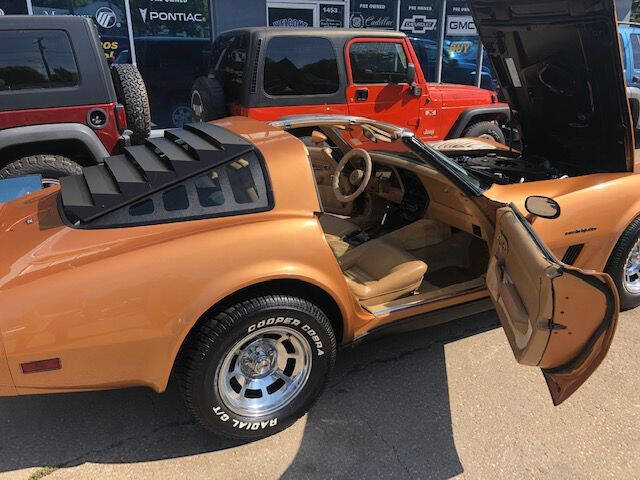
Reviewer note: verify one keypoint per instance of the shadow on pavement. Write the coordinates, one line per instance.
(389, 395)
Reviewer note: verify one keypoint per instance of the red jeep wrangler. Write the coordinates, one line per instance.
(267, 73)
(61, 107)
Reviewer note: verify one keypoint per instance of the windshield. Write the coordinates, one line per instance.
(408, 147)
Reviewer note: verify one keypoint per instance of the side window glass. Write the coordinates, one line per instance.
(378, 62)
(36, 59)
(300, 66)
(231, 54)
(624, 51)
(635, 47)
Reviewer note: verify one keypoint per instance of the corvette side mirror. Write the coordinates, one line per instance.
(544, 207)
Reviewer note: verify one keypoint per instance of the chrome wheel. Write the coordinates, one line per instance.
(264, 371)
(632, 269)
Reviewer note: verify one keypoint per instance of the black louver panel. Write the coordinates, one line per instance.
(254, 72)
(143, 169)
(571, 255)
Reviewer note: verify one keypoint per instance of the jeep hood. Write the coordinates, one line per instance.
(559, 65)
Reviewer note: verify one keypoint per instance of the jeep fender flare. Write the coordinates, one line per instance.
(473, 114)
(12, 137)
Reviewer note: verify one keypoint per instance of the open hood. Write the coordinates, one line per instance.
(559, 65)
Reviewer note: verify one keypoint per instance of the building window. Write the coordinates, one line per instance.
(378, 62)
(300, 66)
(36, 59)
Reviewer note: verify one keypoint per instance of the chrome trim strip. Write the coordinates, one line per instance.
(417, 303)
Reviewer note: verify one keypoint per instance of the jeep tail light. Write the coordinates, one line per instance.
(121, 117)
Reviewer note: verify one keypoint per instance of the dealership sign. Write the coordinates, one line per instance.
(461, 25)
(170, 16)
(381, 14)
(418, 24)
(421, 18)
(105, 17)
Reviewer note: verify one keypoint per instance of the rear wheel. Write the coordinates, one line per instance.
(490, 130)
(207, 100)
(257, 367)
(49, 167)
(624, 266)
(132, 93)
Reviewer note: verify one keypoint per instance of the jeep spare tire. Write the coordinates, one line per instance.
(490, 130)
(207, 100)
(49, 167)
(132, 93)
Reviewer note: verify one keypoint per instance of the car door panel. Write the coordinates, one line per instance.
(556, 317)
(381, 100)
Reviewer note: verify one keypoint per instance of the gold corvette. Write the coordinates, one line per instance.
(241, 255)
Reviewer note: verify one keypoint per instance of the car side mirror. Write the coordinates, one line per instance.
(411, 73)
(544, 207)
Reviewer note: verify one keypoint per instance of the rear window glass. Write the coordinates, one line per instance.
(378, 62)
(300, 66)
(36, 59)
(237, 186)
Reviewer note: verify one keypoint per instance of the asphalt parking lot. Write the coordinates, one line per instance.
(445, 402)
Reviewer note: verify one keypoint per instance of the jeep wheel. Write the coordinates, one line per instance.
(179, 113)
(49, 167)
(489, 130)
(207, 100)
(624, 266)
(132, 93)
(257, 367)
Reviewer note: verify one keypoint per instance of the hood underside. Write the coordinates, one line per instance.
(559, 65)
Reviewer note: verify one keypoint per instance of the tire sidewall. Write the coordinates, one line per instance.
(198, 108)
(616, 265)
(485, 128)
(210, 95)
(48, 167)
(222, 419)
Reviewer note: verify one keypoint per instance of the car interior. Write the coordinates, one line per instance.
(402, 233)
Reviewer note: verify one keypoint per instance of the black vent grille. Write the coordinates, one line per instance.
(254, 73)
(571, 255)
(143, 169)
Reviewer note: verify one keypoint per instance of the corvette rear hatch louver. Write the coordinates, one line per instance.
(143, 169)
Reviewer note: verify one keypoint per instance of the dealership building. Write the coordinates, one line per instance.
(169, 39)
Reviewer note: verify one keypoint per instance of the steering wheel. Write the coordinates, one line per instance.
(358, 178)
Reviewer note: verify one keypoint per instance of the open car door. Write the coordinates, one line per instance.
(556, 317)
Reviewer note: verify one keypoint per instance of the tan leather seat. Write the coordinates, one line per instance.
(337, 226)
(378, 272)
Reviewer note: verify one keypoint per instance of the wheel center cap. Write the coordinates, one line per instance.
(258, 361)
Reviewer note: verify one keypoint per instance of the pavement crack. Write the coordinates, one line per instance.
(390, 445)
